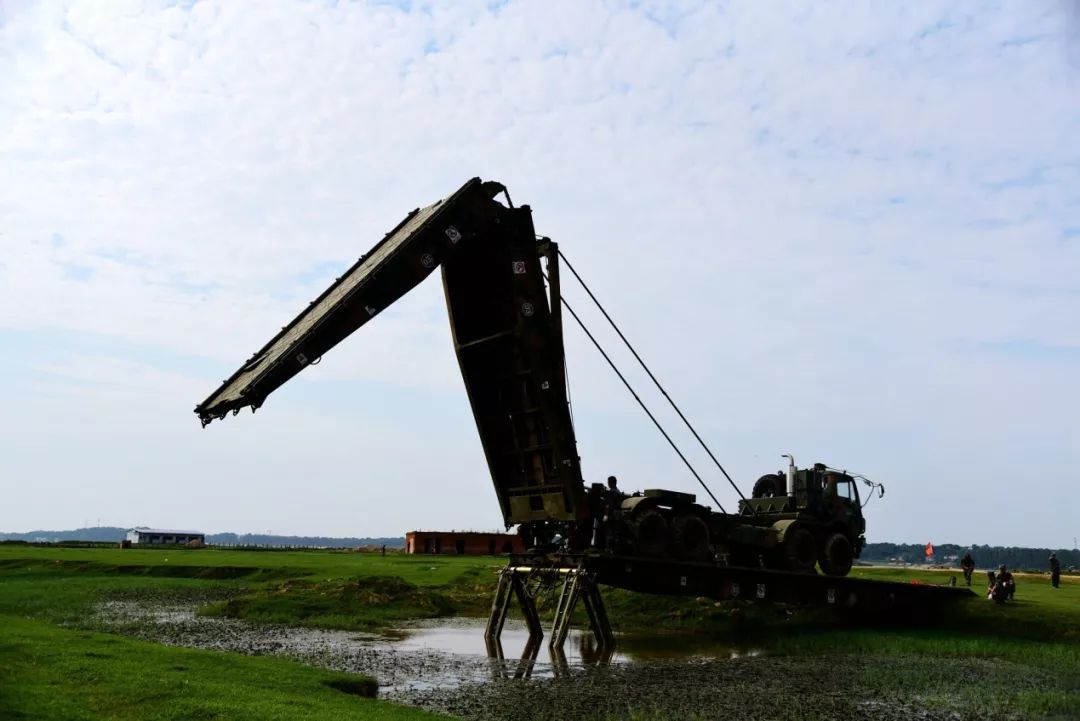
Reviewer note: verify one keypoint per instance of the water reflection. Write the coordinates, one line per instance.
(518, 657)
(589, 653)
(466, 637)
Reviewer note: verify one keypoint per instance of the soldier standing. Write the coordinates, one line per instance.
(967, 564)
(613, 499)
(1055, 570)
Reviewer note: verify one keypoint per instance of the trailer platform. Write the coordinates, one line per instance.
(579, 576)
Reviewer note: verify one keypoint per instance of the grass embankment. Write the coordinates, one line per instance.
(367, 602)
(1038, 634)
(329, 564)
(49, 673)
(51, 668)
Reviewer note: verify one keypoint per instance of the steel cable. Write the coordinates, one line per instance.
(653, 377)
(640, 402)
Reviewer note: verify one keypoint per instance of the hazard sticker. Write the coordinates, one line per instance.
(301, 359)
(519, 267)
(370, 310)
(527, 309)
(761, 590)
(453, 234)
(427, 260)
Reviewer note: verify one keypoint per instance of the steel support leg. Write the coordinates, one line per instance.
(579, 584)
(528, 608)
(598, 618)
(499, 606)
(512, 584)
(564, 611)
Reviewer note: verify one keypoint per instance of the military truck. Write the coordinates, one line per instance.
(506, 322)
(794, 521)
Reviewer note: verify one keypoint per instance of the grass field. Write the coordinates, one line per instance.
(53, 665)
(49, 673)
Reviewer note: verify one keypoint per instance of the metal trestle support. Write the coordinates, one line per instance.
(576, 584)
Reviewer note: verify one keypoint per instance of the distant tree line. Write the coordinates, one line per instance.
(114, 534)
(261, 539)
(985, 556)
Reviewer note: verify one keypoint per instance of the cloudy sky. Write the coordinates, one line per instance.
(850, 232)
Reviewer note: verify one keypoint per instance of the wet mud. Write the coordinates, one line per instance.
(743, 688)
(446, 667)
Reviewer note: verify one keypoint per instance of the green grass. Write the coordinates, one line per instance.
(50, 670)
(364, 591)
(369, 603)
(361, 603)
(324, 565)
(54, 674)
(53, 666)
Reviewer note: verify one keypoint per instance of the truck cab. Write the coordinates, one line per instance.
(816, 514)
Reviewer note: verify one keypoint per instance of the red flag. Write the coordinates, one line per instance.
(929, 550)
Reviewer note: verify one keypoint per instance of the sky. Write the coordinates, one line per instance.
(846, 231)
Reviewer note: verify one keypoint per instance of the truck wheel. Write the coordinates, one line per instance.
(690, 537)
(836, 555)
(770, 485)
(800, 550)
(651, 533)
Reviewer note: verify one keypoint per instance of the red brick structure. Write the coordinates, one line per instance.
(465, 543)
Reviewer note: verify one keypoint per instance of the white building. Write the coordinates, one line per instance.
(157, 536)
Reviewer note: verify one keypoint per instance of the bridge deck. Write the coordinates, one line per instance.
(681, 578)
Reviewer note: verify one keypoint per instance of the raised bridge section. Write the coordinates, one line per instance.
(508, 341)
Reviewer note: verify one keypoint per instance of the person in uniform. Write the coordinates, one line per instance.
(1055, 571)
(967, 565)
(1004, 586)
(613, 499)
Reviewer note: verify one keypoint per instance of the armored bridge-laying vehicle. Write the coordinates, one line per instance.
(506, 323)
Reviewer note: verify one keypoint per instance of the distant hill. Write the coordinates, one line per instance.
(113, 534)
(949, 554)
(97, 533)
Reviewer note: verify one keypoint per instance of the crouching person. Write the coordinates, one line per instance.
(1002, 586)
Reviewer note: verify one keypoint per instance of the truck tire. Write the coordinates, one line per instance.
(690, 537)
(770, 485)
(799, 550)
(652, 537)
(836, 555)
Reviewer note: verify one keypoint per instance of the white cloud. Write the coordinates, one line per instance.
(827, 227)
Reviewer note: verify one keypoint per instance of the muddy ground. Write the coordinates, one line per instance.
(683, 684)
(743, 688)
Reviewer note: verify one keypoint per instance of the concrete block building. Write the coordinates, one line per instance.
(468, 543)
(157, 537)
